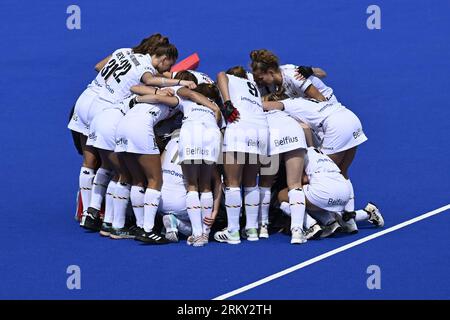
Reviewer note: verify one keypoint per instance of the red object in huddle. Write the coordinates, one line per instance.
(190, 63)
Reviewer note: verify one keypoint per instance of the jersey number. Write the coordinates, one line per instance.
(116, 69)
(252, 89)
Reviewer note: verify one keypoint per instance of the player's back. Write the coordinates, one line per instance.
(317, 163)
(246, 98)
(124, 70)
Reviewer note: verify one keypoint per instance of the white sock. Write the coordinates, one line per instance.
(193, 207)
(297, 203)
(86, 179)
(251, 199)
(151, 203)
(309, 221)
(233, 203)
(206, 202)
(109, 202)
(121, 198)
(264, 204)
(101, 180)
(350, 206)
(286, 208)
(361, 215)
(137, 196)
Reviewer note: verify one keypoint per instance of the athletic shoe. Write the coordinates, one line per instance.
(252, 234)
(375, 216)
(121, 233)
(314, 232)
(92, 219)
(264, 231)
(172, 236)
(106, 229)
(225, 236)
(298, 236)
(347, 223)
(83, 219)
(196, 241)
(331, 229)
(169, 222)
(151, 238)
(136, 231)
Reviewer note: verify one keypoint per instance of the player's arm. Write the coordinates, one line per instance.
(222, 84)
(319, 73)
(156, 98)
(143, 90)
(312, 92)
(229, 110)
(150, 80)
(303, 72)
(272, 105)
(99, 66)
(196, 97)
(217, 195)
(308, 134)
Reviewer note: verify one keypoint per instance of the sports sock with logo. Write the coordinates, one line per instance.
(233, 203)
(121, 198)
(297, 204)
(151, 203)
(137, 196)
(193, 207)
(251, 199)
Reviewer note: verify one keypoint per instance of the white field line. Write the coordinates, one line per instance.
(331, 253)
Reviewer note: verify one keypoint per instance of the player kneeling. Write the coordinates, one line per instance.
(327, 194)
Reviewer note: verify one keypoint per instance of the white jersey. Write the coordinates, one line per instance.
(99, 82)
(173, 178)
(245, 96)
(310, 111)
(158, 111)
(195, 112)
(124, 70)
(318, 163)
(292, 87)
(326, 91)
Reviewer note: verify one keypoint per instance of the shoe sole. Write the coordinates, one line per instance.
(252, 239)
(105, 233)
(316, 235)
(228, 241)
(112, 236)
(325, 235)
(298, 241)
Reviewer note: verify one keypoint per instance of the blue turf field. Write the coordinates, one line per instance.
(394, 79)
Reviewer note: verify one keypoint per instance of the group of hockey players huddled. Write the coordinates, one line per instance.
(170, 155)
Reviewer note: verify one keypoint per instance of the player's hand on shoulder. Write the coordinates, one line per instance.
(166, 92)
(303, 72)
(188, 84)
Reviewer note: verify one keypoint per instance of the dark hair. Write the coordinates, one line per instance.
(186, 75)
(263, 60)
(168, 50)
(210, 91)
(148, 45)
(237, 71)
(277, 96)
